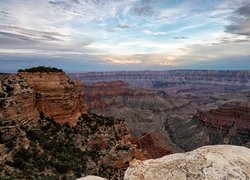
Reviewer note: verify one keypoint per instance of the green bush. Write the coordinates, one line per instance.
(41, 69)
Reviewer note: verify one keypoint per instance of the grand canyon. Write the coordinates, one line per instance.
(53, 126)
(124, 90)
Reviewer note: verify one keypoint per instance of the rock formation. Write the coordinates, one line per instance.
(96, 145)
(209, 162)
(17, 101)
(144, 110)
(45, 131)
(155, 145)
(27, 95)
(233, 116)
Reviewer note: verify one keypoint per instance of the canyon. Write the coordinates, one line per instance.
(52, 126)
(187, 108)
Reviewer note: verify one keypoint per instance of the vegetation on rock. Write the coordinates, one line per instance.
(41, 69)
(57, 151)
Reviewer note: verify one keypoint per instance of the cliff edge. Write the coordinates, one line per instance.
(208, 162)
(27, 95)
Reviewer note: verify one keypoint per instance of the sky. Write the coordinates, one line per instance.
(118, 35)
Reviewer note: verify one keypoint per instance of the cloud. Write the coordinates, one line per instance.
(240, 21)
(154, 33)
(180, 37)
(4, 13)
(122, 26)
(125, 32)
(28, 34)
(143, 8)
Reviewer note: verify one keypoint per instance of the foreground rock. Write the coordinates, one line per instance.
(208, 162)
(91, 178)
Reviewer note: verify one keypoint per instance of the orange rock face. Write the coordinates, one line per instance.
(17, 105)
(57, 96)
(154, 144)
(27, 95)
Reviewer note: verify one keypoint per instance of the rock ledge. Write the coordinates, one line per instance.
(208, 162)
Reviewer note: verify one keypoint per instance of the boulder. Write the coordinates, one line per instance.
(208, 162)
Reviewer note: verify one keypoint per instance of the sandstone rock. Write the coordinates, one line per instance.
(56, 96)
(208, 162)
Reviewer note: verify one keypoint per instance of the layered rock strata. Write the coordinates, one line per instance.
(54, 95)
(156, 79)
(17, 101)
(234, 116)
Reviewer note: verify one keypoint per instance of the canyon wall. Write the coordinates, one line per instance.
(26, 96)
(234, 116)
(57, 96)
(17, 101)
(225, 124)
(149, 79)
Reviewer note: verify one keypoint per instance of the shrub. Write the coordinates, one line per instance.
(62, 167)
(22, 154)
(41, 69)
(19, 163)
(1, 168)
(10, 144)
(40, 164)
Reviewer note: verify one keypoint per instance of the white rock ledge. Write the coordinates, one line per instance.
(220, 162)
(91, 178)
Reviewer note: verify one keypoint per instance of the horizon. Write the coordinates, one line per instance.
(83, 72)
(125, 35)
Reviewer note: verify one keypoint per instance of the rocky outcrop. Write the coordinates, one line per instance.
(209, 162)
(17, 101)
(233, 116)
(155, 145)
(96, 145)
(54, 95)
(27, 97)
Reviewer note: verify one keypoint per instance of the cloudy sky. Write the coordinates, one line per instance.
(107, 35)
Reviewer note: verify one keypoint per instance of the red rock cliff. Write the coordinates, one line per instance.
(234, 115)
(56, 96)
(25, 95)
(155, 145)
